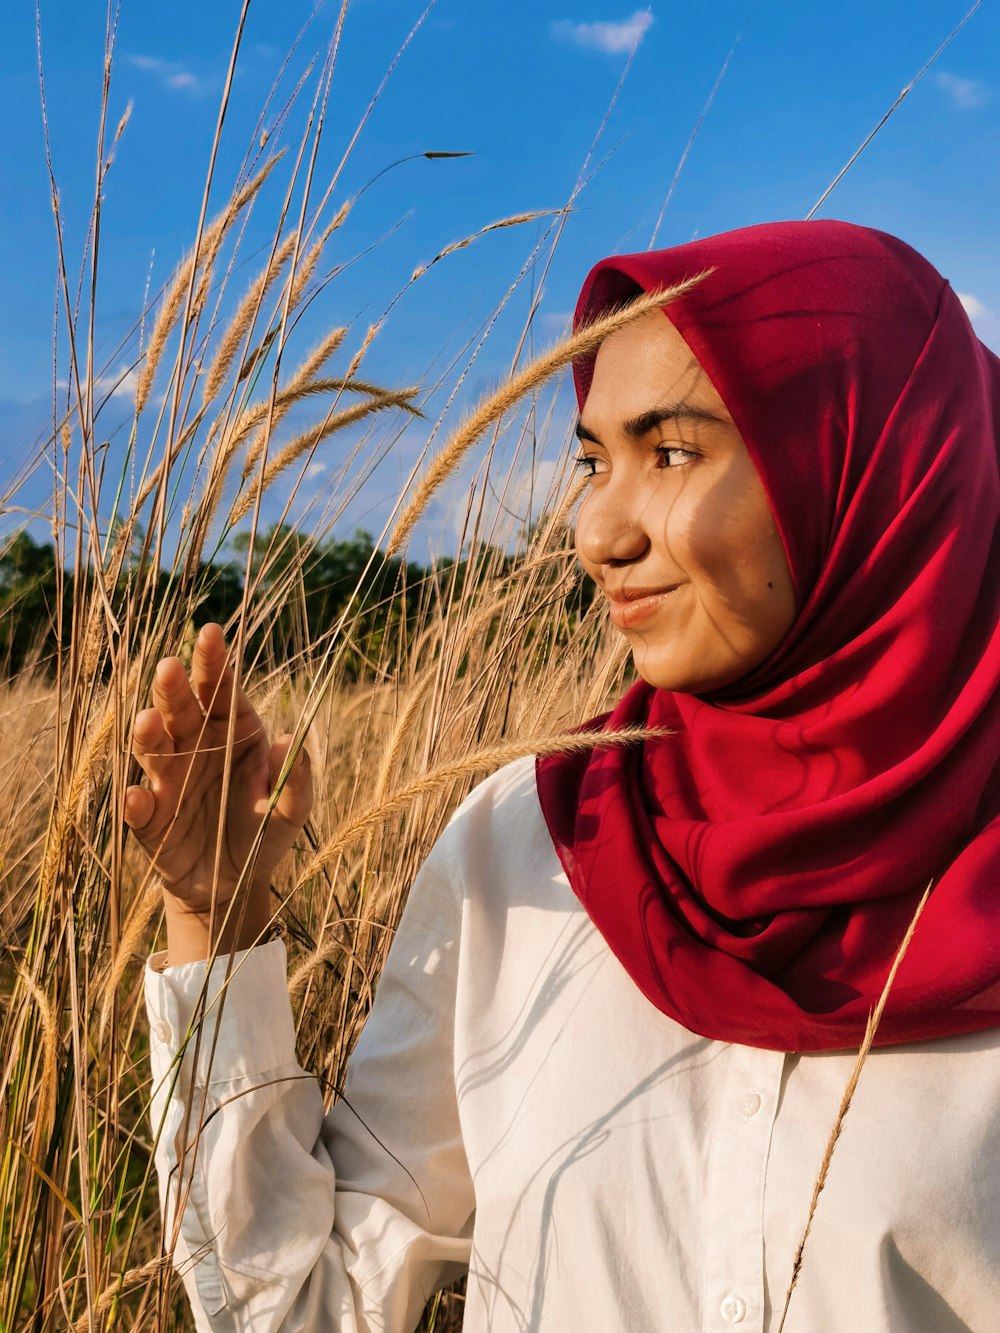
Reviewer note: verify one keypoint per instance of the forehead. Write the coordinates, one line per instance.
(648, 361)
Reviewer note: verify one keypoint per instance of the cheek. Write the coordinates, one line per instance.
(732, 549)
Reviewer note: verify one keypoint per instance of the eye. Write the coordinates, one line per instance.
(672, 455)
(590, 465)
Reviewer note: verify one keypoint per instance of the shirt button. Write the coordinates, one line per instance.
(749, 1105)
(162, 1031)
(733, 1308)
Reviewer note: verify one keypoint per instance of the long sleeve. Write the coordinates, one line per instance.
(288, 1218)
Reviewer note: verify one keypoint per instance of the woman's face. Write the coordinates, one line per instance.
(676, 529)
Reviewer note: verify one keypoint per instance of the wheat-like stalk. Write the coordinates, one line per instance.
(307, 268)
(84, 780)
(50, 1042)
(139, 1276)
(243, 318)
(307, 371)
(144, 911)
(569, 742)
(517, 220)
(395, 742)
(306, 442)
(202, 259)
(263, 417)
(437, 779)
(496, 406)
(871, 1029)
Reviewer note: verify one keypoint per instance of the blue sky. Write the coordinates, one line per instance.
(524, 84)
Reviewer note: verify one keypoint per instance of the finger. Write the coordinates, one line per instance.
(172, 695)
(296, 796)
(152, 747)
(140, 805)
(214, 680)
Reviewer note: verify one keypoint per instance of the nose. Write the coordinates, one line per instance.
(608, 528)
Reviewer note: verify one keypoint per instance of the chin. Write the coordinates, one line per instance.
(663, 677)
(658, 670)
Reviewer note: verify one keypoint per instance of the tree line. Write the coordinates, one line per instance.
(306, 588)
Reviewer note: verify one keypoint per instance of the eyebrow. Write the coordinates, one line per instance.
(636, 427)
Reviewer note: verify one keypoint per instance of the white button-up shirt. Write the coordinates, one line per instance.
(516, 1107)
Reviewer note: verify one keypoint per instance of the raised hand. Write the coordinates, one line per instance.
(180, 744)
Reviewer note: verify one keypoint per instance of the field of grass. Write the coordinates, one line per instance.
(80, 1223)
(487, 662)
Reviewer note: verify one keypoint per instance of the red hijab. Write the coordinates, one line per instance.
(755, 871)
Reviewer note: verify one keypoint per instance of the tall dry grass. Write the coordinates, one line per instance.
(489, 662)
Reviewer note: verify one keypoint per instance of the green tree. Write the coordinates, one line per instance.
(28, 597)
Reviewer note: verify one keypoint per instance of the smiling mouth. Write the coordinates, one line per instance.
(629, 609)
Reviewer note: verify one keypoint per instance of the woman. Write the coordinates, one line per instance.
(628, 987)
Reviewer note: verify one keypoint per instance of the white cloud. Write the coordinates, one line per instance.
(964, 93)
(985, 319)
(118, 384)
(170, 74)
(612, 37)
(122, 385)
(974, 308)
(315, 469)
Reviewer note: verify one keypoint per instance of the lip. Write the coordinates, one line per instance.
(629, 607)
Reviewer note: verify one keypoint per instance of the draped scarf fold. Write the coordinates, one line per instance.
(755, 870)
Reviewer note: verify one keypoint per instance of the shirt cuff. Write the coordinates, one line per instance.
(246, 1023)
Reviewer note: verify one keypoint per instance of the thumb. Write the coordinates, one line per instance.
(140, 806)
(296, 796)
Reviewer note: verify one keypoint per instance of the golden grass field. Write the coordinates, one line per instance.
(81, 1231)
(495, 667)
